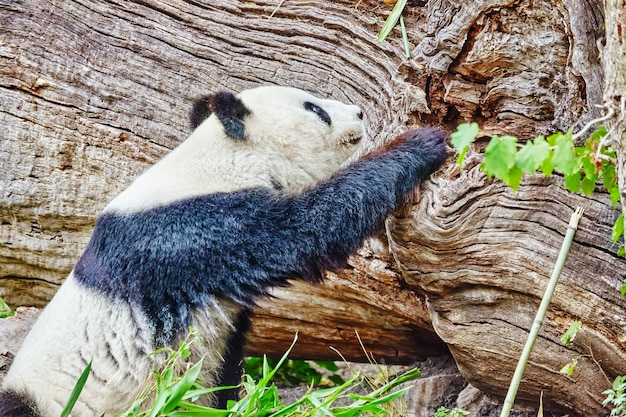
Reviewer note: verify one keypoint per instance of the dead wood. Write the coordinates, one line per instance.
(94, 92)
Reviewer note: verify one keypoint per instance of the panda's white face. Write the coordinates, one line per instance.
(278, 137)
(314, 134)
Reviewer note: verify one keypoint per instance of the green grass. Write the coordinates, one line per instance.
(176, 396)
(296, 372)
(5, 310)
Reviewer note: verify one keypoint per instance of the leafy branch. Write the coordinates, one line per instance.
(582, 166)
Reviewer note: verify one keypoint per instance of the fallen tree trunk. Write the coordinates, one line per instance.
(92, 93)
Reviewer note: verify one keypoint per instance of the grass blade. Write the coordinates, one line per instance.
(405, 39)
(182, 386)
(391, 21)
(78, 388)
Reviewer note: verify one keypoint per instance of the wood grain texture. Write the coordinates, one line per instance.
(94, 92)
(516, 67)
(483, 257)
(364, 312)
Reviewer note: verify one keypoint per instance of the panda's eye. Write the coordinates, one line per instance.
(320, 112)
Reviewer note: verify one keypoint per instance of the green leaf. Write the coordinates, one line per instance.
(588, 185)
(191, 409)
(564, 158)
(552, 138)
(5, 310)
(569, 368)
(572, 182)
(462, 138)
(329, 365)
(500, 157)
(570, 334)
(336, 379)
(623, 289)
(515, 177)
(288, 410)
(181, 387)
(78, 388)
(614, 195)
(599, 133)
(405, 39)
(532, 155)
(618, 382)
(389, 397)
(391, 21)
(609, 179)
(197, 392)
(546, 167)
(589, 166)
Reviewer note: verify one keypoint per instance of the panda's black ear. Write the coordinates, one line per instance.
(200, 111)
(229, 110)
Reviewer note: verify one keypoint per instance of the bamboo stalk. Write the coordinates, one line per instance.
(541, 313)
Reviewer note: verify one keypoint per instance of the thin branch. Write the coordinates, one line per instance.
(593, 122)
(608, 138)
(598, 364)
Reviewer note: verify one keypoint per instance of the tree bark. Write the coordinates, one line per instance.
(94, 92)
(615, 85)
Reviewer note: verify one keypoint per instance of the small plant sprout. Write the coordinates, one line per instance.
(569, 368)
(571, 332)
(616, 396)
(582, 167)
(5, 310)
(568, 337)
(391, 22)
(455, 412)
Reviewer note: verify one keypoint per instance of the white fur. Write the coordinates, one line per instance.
(281, 138)
(67, 336)
(117, 340)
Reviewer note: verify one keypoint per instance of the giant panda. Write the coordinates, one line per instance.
(255, 197)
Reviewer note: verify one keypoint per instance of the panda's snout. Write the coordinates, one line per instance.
(352, 138)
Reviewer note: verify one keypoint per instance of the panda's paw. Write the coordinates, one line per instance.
(430, 142)
(428, 138)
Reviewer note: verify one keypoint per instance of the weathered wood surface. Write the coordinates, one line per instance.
(391, 320)
(483, 301)
(615, 86)
(93, 92)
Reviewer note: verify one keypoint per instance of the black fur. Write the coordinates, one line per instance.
(276, 184)
(200, 111)
(229, 109)
(230, 374)
(17, 404)
(172, 258)
(320, 112)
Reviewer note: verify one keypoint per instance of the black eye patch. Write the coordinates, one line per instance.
(320, 112)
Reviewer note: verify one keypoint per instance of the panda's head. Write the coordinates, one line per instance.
(274, 137)
(314, 134)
